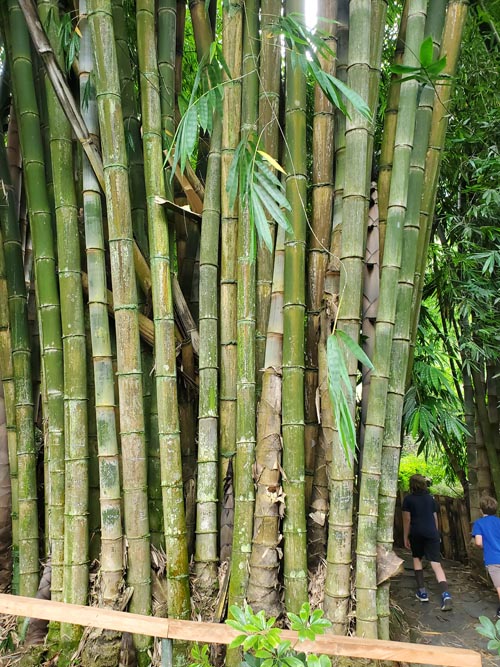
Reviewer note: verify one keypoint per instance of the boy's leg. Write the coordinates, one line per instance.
(433, 553)
(417, 551)
(494, 572)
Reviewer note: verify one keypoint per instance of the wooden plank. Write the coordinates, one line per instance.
(214, 633)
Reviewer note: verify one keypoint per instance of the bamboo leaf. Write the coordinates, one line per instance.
(273, 209)
(274, 163)
(258, 217)
(354, 348)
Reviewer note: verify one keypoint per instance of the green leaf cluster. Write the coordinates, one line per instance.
(261, 640)
(340, 388)
(306, 46)
(491, 631)
(428, 72)
(259, 189)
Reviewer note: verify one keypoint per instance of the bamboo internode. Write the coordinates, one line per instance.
(165, 628)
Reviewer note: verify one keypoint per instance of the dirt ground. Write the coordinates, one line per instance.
(473, 596)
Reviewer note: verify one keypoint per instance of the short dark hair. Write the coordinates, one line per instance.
(488, 505)
(419, 484)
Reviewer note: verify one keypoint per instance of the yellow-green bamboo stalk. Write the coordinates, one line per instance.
(263, 586)
(102, 357)
(450, 47)
(245, 378)
(206, 553)
(318, 248)
(269, 110)
(174, 522)
(294, 525)
(129, 373)
(389, 132)
(76, 556)
(366, 548)
(401, 336)
(50, 326)
(232, 26)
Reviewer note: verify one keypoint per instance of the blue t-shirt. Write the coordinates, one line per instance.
(489, 528)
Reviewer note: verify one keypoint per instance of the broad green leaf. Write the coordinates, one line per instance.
(237, 641)
(487, 628)
(426, 52)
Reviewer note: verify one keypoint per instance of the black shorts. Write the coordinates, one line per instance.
(428, 547)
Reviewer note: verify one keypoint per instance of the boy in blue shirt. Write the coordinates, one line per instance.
(486, 533)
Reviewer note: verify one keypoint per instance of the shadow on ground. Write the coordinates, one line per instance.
(425, 623)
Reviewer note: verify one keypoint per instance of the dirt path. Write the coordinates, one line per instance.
(429, 625)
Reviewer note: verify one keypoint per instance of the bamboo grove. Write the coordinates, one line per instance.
(210, 280)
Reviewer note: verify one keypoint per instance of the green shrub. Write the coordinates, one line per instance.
(411, 464)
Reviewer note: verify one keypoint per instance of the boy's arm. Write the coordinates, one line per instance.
(406, 529)
(436, 520)
(478, 539)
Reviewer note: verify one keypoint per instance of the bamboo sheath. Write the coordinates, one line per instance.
(354, 647)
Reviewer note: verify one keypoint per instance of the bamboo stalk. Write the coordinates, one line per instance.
(76, 535)
(244, 493)
(102, 356)
(206, 554)
(231, 116)
(294, 525)
(366, 575)
(318, 248)
(263, 586)
(450, 47)
(174, 522)
(13, 311)
(126, 310)
(50, 327)
(401, 335)
(269, 110)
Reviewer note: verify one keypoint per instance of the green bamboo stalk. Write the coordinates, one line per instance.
(154, 469)
(206, 554)
(94, 503)
(366, 549)
(269, 110)
(102, 357)
(231, 115)
(50, 329)
(11, 268)
(450, 47)
(294, 525)
(245, 379)
(129, 373)
(8, 434)
(165, 346)
(263, 585)
(318, 255)
(401, 336)
(76, 542)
